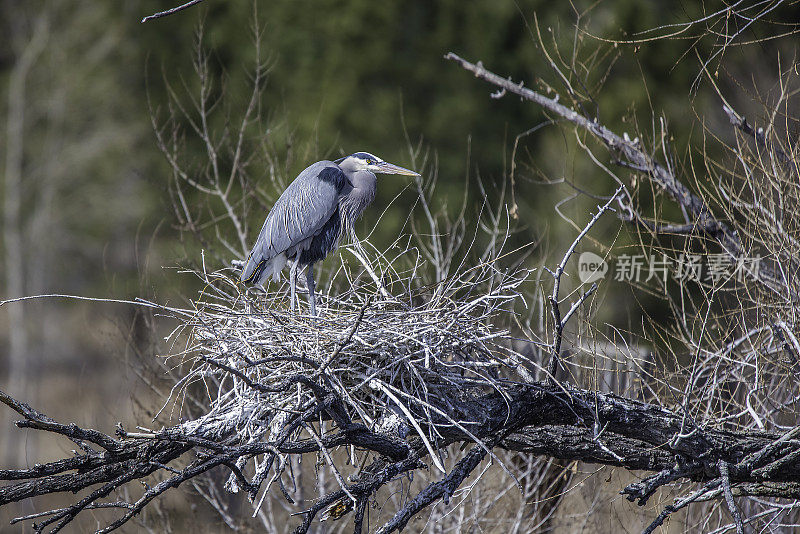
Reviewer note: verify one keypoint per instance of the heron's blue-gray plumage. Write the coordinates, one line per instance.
(309, 218)
(299, 214)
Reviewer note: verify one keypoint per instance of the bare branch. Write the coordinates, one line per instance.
(631, 154)
(558, 322)
(171, 11)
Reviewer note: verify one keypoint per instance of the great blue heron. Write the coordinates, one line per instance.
(309, 218)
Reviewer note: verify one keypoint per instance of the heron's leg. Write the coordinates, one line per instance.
(312, 297)
(293, 279)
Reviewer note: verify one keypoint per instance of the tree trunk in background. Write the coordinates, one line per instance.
(14, 253)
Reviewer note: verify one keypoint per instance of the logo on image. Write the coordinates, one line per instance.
(591, 267)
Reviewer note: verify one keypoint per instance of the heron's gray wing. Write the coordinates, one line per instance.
(300, 213)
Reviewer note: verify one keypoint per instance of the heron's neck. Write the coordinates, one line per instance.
(363, 193)
(355, 201)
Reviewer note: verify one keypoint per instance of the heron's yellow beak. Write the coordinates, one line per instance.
(389, 168)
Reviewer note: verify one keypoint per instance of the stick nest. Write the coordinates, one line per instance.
(385, 348)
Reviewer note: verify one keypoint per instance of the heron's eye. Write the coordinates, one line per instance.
(369, 161)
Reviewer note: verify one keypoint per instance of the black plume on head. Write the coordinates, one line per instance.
(360, 155)
(367, 155)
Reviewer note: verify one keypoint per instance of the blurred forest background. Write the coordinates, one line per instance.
(88, 197)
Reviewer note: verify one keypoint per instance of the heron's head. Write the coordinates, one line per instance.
(364, 161)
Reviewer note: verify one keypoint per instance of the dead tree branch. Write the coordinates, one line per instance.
(559, 322)
(538, 418)
(631, 154)
(171, 11)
